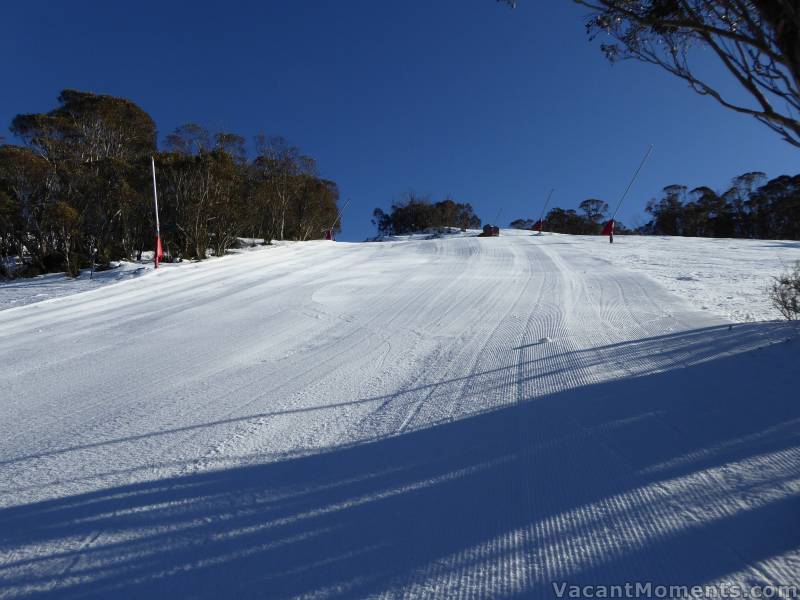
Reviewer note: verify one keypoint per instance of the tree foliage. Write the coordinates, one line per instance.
(785, 293)
(522, 224)
(751, 208)
(757, 42)
(594, 210)
(80, 187)
(417, 213)
(589, 221)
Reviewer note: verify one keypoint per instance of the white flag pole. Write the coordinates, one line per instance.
(630, 185)
(155, 195)
(546, 202)
(155, 200)
(338, 216)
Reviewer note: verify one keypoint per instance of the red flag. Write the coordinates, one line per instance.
(159, 252)
(537, 226)
(608, 228)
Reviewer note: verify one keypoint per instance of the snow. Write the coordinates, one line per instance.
(455, 417)
(22, 291)
(728, 277)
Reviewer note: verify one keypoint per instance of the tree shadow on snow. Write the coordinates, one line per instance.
(680, 476)
(781, 244)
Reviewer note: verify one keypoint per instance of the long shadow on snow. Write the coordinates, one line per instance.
(628, 480)
(688, 347)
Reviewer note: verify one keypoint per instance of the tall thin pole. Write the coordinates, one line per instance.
(544, 208)
(630, 185)
(155, 195)
(329, 230)
(155, 200)
(339, 214)
(497, 216)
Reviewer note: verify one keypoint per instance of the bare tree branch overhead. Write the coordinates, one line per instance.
(756, 41)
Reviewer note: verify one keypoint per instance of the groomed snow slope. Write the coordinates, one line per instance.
(727, 277)
(22, 291)
(455, 418)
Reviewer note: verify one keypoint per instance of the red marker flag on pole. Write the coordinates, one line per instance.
(608, 229)
(159, 252)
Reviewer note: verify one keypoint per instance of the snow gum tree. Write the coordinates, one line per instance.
(91, 146)
(594, 209)
(79, 187)
(415, 213)
(755, 42)
(202, 191)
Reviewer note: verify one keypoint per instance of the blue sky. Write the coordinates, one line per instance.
(462, 97)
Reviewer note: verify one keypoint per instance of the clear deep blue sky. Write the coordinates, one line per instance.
(459, 97)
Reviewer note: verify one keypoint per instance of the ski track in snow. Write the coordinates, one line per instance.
(452, 418)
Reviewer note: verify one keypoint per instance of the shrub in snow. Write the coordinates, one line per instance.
(785, 293)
